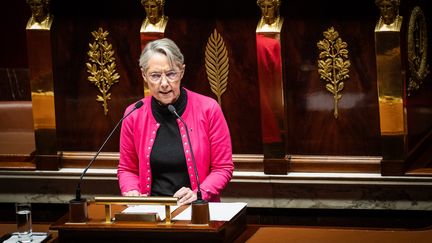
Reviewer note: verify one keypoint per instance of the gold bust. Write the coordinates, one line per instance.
(155, 20)
(41, 17)
(389, 15)
(270, 19)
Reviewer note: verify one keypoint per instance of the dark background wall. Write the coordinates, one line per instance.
(312, 129)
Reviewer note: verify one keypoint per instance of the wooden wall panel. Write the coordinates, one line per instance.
(13, 46)
(82, 125)
(14, 73)
(312, 128)
(419, 103)
(236, 23)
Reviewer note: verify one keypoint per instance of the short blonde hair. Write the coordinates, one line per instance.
(165, 47)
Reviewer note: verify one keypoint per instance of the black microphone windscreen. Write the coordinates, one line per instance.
(138, 104)
(172, 109)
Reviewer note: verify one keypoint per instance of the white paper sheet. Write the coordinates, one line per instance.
(218, 211)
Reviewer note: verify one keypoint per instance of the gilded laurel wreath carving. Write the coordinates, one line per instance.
(417, 50)
(102, 66)
(333, 64)
(216, 63)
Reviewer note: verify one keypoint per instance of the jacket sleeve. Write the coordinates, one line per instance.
(221, 163)
(128, 171)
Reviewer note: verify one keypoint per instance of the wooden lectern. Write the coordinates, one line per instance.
(97, 229)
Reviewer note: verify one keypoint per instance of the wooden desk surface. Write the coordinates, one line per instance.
(96, 219)
(262, 233)
(97, 230)
(292, 234)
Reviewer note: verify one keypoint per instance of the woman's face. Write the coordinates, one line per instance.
(162, 79)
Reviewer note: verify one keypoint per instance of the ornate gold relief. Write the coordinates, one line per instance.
(155, 21)
(41, 18)
(417, 50)
(389, 20)
(217, 66)
(270, 21)
(102, 66)
(333, 64)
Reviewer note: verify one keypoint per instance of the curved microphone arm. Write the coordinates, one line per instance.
(78, 189)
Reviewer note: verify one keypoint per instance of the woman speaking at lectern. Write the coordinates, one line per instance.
(155, 156)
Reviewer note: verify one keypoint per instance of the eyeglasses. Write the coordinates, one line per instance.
(171, 76)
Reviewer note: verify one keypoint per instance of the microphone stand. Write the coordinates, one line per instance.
(200, 207)
(78, 205)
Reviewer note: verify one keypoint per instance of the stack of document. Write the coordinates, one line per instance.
(218, 211)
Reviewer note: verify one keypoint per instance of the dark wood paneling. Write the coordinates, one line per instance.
(236, 23)
(14, 80)
(80, 120)
(14, 84)
(312, 128)
(13, 20)
(419, 105)
(81, 123)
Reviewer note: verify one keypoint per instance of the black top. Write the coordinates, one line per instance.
(167, 159)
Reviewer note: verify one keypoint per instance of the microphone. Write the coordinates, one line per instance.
(200, 208)
(78, 206)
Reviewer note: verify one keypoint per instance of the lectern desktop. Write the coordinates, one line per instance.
(97, 229)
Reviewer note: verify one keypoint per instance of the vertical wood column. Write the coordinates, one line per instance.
(392, 100)
(271, 87)
(39, 45)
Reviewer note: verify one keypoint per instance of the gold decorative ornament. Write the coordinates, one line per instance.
(155, 21)
(417, 50)
(389, 20)
(333, 64)
(217, 66)
(270, 21)
(102, 66)
(41, 18)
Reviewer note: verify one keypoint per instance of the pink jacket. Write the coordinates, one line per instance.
(209, 136)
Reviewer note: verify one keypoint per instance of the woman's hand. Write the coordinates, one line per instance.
(185, 196)
(133, 193)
